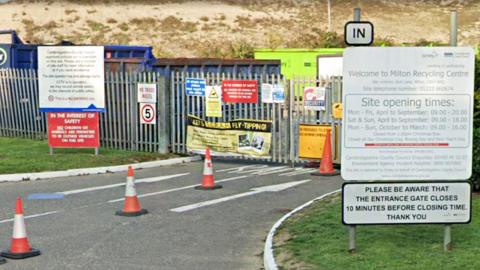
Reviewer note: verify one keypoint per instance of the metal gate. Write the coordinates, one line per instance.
(285, 117)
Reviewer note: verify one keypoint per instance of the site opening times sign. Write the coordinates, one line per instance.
(408, 113)
(407, 203)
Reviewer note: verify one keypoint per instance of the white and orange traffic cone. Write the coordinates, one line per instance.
(131, 207)
(208, 181)
(20, 248)
(326, 165)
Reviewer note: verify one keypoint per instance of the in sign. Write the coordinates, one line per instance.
(358, 33)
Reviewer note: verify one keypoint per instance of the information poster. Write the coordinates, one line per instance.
(243, 137)
(71, 78)
(314, 98)
(73, 130)
(407, 113)
(240, 91)
(273, 93)
(413, 203)
(213, 100)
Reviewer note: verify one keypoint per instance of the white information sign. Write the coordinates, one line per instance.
(273, 93)
(148, 113)
(412, 203)
(147, 92)
(407, 113)
(314, 98)
(71, 78)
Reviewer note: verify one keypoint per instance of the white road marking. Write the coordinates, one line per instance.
(143, 180)
(272, 188)
(236, 168)
(274, 171)
(257, 169)
(179, 188)
(299, 172)
(31, 216)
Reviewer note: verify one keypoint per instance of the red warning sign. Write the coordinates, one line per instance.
(240, 91)
(73, 130)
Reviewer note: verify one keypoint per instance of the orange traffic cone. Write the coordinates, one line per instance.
(20, 248)
(208, 181)
(326, 165)
(131, 207)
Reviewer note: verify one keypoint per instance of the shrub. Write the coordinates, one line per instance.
(475, 179)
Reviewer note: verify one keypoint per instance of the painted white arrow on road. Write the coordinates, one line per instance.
(273, 188)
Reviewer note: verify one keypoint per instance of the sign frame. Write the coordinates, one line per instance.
(358, 44)
(405, 182)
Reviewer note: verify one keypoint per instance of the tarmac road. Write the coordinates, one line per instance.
(81, 231)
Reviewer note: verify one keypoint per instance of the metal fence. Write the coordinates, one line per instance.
(285, 117)
(119, 125)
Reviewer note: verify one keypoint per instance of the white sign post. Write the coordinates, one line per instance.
(148, 113)
(147, 93)
(406, 203)
(71, 78)
(408, 116)
(358, 33)
(408, 113)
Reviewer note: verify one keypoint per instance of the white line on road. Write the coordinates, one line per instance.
(278, 170)
(239, 169)
(256, 169)
(179, 188)
(31, 216)
(298, 172)
(272, 188)
(143, 180)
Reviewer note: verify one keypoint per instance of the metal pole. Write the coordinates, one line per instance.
(97, 150)
(453, 28)
(447, 233)
(329, 11)
(356, 14)
(291, 99)
(447, 238)
(51, 150)
(352, 231)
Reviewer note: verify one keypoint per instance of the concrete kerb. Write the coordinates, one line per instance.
(268, 258)
(96, 170)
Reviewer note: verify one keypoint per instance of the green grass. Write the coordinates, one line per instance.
(316, 239)
(23, 155)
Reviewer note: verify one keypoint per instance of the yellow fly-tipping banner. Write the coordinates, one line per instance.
(234, 138)
(312, 140)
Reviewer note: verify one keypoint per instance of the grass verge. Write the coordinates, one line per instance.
(23, 155)
(317, 239)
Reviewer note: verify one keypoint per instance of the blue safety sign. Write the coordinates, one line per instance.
(195, 87)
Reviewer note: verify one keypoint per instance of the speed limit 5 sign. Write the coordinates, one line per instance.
(148, 113)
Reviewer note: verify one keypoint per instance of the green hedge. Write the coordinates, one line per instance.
(476, 131)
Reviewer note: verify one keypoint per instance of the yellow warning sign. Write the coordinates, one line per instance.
(213, 94)
(337, 110)
(213, 100)
(312, 140)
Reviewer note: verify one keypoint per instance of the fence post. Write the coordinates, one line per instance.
(163, 114)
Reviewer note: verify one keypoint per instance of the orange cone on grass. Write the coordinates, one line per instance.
(326, 165)
(131, 207)
(208, 181)
(20, 247)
